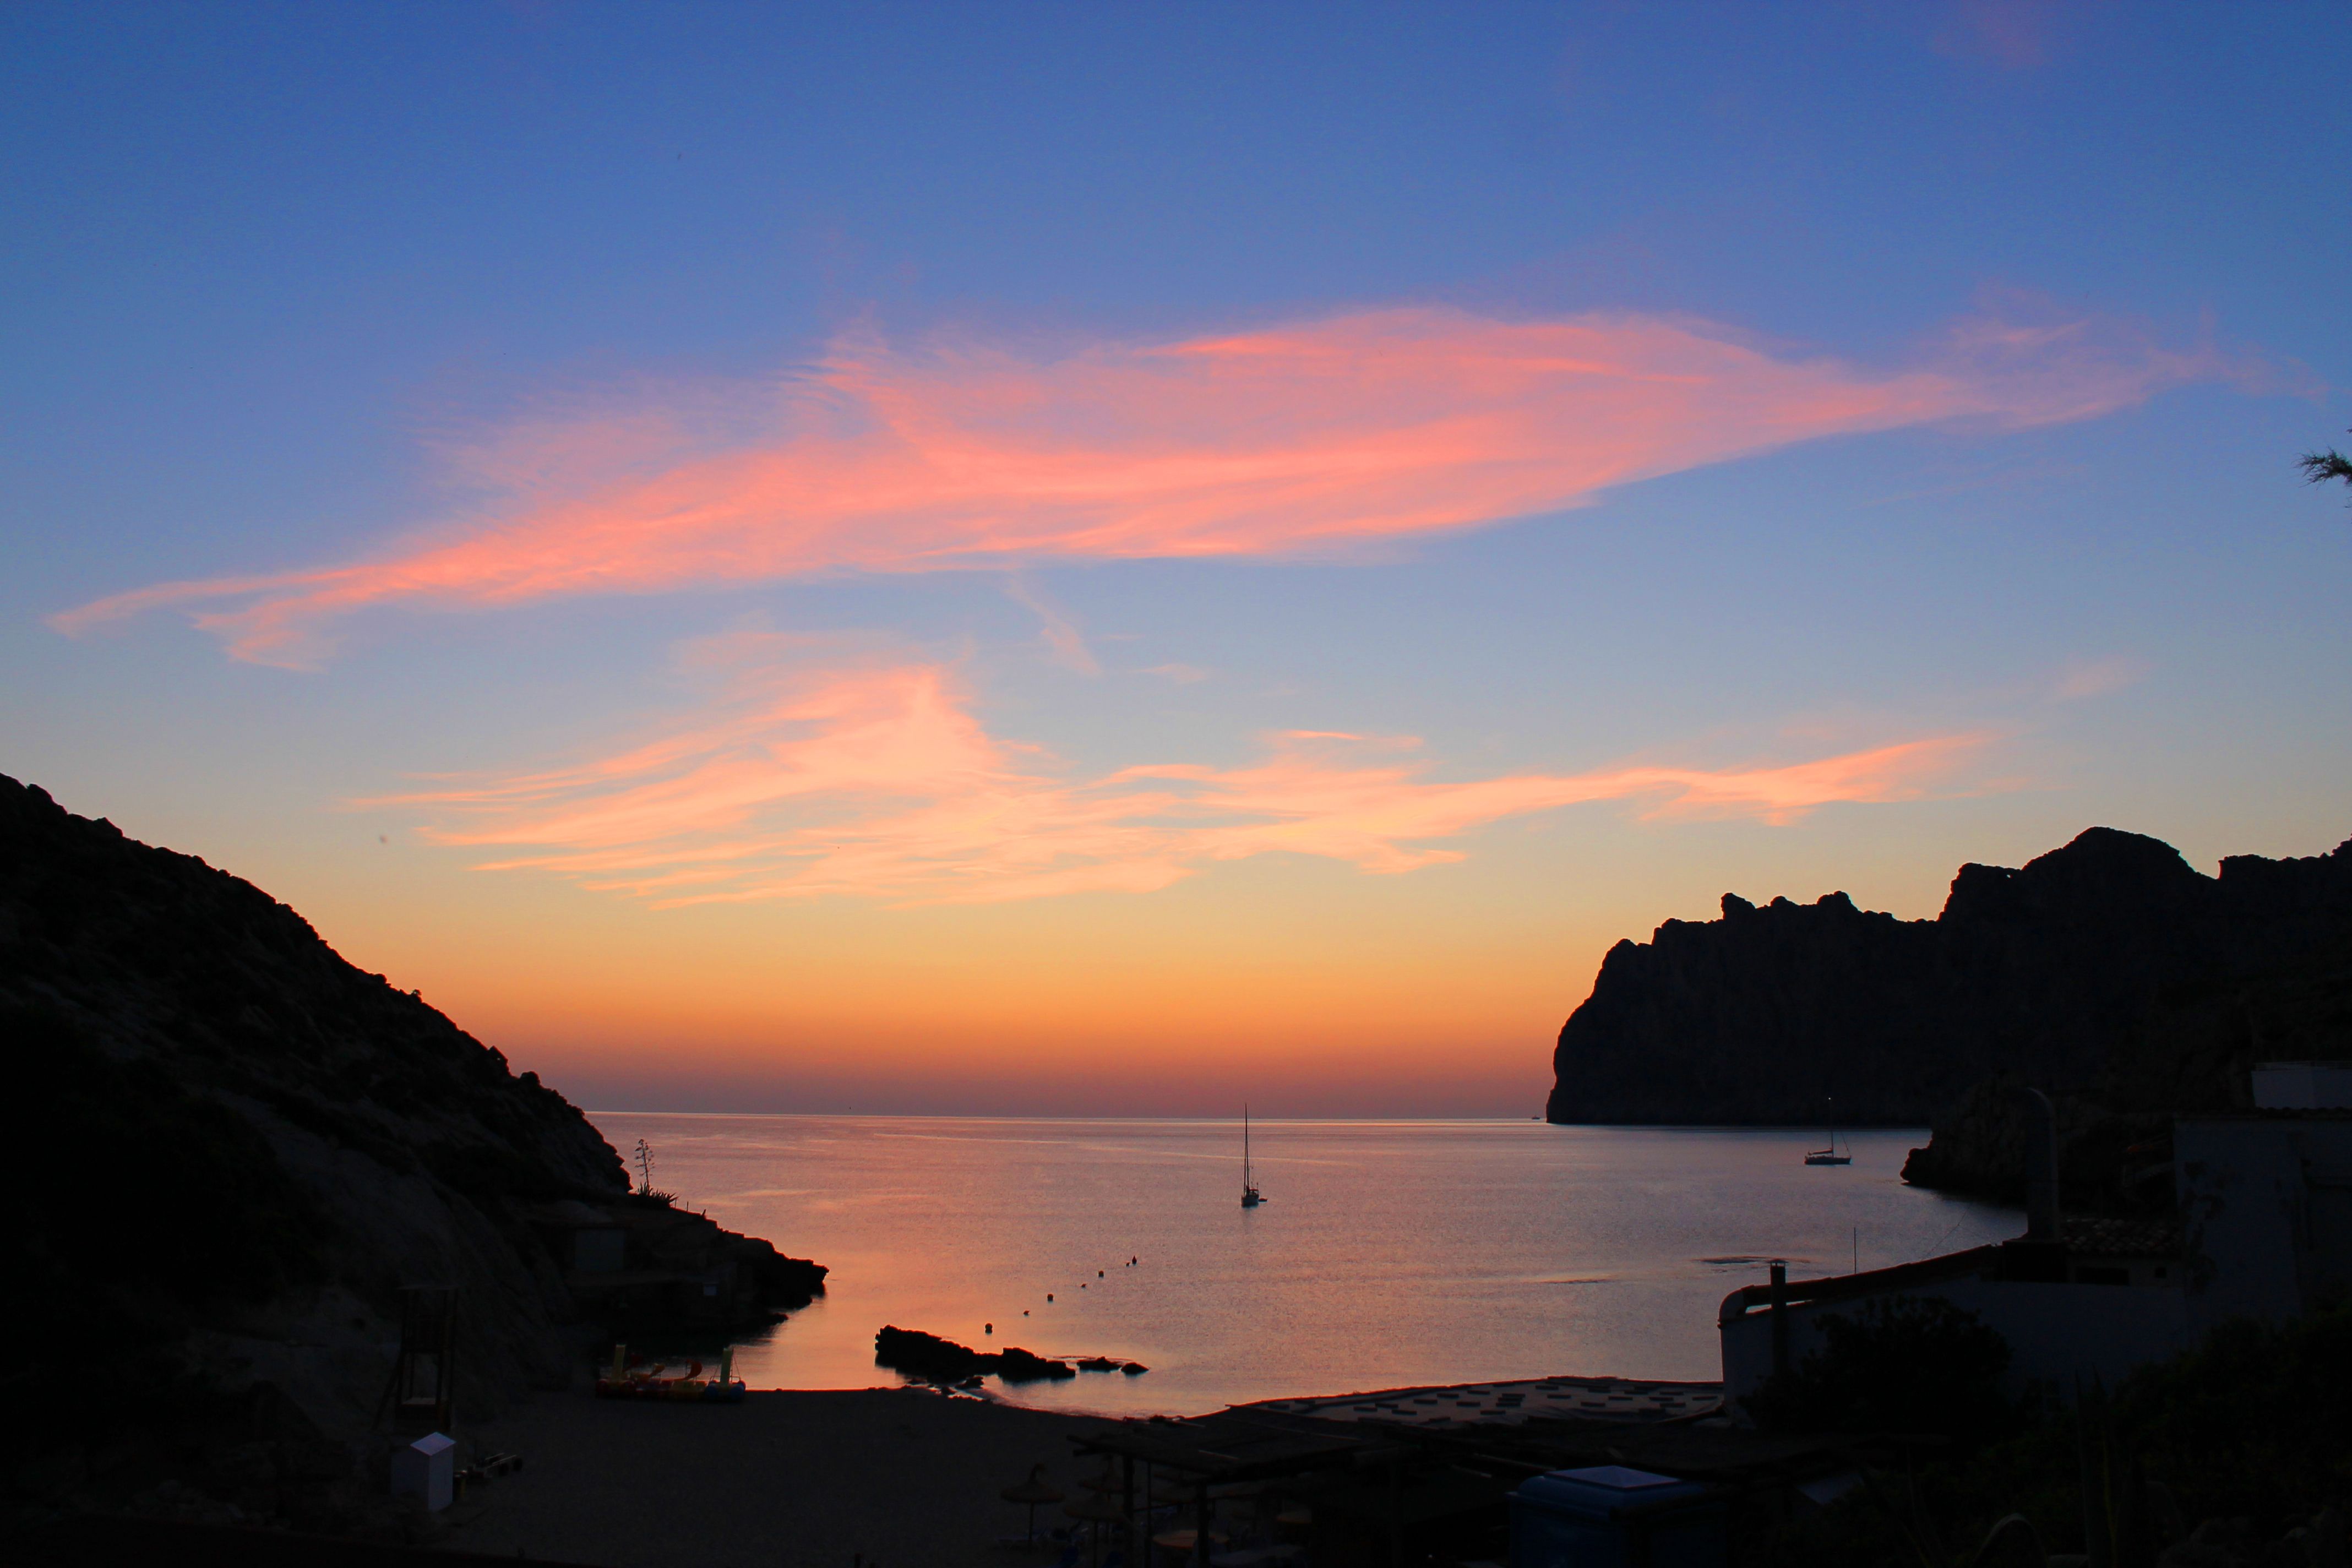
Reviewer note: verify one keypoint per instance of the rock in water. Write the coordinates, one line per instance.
(928, 1356)
(935, 1360)
(238, 1148)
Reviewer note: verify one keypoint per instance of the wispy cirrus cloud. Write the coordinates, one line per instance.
(1059, 631)
(878, 782)
(1375, 425)
(2097, 678)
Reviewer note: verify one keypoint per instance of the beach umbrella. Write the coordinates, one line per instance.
(1032, 1491)
(1098, 1510)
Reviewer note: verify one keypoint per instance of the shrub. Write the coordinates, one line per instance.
(1902, 1365)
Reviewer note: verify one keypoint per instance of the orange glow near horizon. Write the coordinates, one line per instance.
(1294, 981)
(1376, 425)
(1445, 1029)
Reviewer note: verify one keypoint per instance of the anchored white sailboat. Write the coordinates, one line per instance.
(1251, 1197)
(1829, 1155)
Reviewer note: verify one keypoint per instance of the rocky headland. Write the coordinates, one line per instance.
(236, 1152)
(2109, 971)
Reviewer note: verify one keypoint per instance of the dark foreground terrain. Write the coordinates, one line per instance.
(2232, 1454)
(904, 1478)
(235, 1151)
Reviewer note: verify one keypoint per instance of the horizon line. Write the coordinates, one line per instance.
(1255, 1119)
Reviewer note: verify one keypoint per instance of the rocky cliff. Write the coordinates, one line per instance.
(234, 1151)
(2108, 968)
(2189, 1052)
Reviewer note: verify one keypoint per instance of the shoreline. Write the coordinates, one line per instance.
(891, 1475)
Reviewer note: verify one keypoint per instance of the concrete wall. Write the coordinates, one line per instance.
(2266, 1204)
(2054, 1331)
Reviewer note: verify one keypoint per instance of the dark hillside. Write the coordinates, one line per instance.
(238, 1148)
(2108, 969)
(2189, 1053)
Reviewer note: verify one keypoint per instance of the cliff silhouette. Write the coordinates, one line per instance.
(2109, 969)
(234, 1150)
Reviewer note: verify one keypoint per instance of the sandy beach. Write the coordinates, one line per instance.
(904, 1478)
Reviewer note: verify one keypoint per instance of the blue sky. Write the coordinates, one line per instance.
(291, 288)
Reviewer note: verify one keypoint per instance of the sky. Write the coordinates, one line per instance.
(1128, 559)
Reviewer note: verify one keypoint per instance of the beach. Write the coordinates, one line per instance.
(902, 1478)
(892, 1476)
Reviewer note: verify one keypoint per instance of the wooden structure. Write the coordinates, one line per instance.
(423, 1391)
(1199, 1458)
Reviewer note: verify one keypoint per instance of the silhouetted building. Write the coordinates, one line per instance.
(2264, 1230)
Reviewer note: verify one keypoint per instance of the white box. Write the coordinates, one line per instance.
(2302, 1085)
(426, 1468)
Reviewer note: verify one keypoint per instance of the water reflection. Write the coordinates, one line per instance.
(1389, 1253)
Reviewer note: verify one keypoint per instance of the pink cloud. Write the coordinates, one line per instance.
(2017, 34)
(1376, 425)
(2097, 678)
(878, 782)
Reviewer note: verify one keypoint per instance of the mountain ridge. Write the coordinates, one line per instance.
(1789, 1013)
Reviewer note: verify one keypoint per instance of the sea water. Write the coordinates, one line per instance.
(1387, 1253)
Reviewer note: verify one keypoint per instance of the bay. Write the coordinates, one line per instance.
(1388, 1253)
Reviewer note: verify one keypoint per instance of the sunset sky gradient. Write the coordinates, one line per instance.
(1112, 560)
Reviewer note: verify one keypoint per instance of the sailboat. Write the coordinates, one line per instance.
(1251, 1197)
(1829, 1156)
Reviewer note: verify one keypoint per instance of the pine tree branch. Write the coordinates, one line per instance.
(2319, 468)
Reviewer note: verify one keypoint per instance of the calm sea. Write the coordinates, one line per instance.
(1387, 1253)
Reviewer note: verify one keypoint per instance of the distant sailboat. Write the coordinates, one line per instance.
(1251, 1197)
(1829, 1156)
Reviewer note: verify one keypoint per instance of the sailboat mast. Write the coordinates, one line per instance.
(1250, 1198)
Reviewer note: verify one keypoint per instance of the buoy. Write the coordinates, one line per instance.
(1049, 1295)
(1098, 1273)
(988, 1328)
